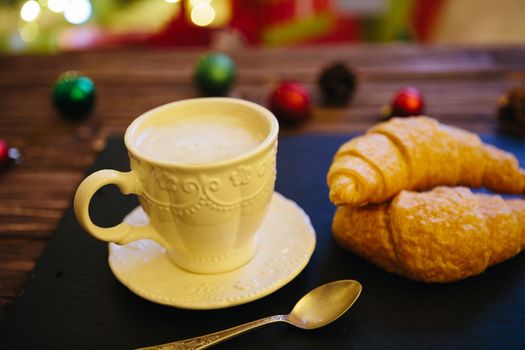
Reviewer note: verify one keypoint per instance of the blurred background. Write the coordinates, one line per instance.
(50, 26)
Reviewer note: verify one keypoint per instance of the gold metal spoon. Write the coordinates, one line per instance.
(317, 308)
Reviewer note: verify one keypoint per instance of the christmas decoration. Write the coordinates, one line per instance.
(290, 102)
(511, 111)
(8, 155)
(407, 102)
(74, 95)
(337, 84)
(511, 106)
(214, 74)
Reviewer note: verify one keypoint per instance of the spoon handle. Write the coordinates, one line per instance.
(205, 341)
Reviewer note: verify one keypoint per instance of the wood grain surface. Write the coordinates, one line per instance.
(461, 85)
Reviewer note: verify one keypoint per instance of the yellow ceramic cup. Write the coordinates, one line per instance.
(205, 215)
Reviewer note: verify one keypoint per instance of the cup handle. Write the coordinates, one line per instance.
(122, 233)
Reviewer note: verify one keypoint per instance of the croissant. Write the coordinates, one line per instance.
(418, 153)
(443, 235)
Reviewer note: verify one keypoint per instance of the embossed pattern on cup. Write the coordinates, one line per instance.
(216, 211)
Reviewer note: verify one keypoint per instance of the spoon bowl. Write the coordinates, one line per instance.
(324, 304)
(317, 308)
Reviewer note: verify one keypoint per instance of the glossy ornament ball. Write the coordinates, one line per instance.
(74, 95)
(8, 155)
(290, 102)
(4, 153)
(407, 102)
(215, 74)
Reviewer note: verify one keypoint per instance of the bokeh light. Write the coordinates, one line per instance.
(57, 6)
(78, 11)
(202, 14)
(194, 3)
(30, 10)
(29, 32)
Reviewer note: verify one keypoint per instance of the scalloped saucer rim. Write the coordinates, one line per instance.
(287, 242)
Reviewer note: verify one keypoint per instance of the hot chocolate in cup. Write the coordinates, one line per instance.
(204, 172)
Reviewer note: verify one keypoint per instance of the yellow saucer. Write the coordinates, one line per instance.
(287, 241)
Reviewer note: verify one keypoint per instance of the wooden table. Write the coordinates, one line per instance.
(461, 86)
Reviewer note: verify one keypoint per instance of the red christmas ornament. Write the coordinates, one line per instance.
(8, 155)
(407, 102)
(290, 102)
(4, 153)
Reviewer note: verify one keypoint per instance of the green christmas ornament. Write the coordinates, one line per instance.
(74, 95)
(214, 74)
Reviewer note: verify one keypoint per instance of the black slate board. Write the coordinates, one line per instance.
(72, 301)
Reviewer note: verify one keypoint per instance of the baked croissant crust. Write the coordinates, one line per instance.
(418, 153)
(443, 235)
